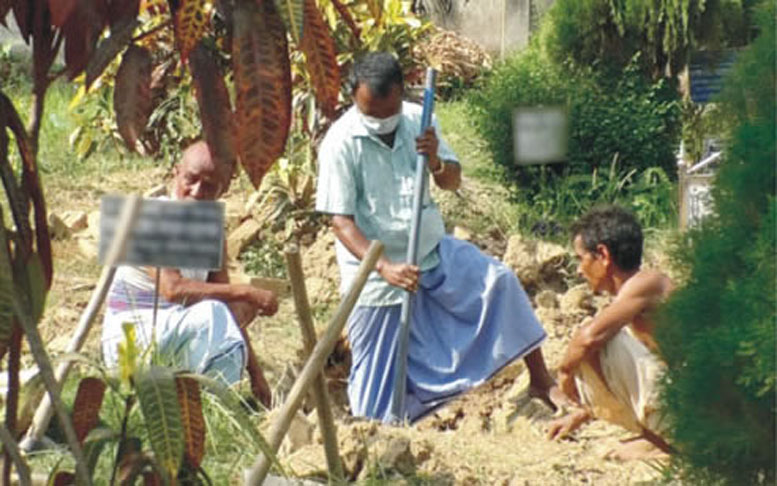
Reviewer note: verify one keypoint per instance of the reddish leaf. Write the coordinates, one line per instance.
(63, 478)
(263, 84)
(23, 13)
(191, 21)
(60, 11)
(86, 407)
(151, 479)
(121, 11)
(121, 35)
(215, 110)
(132, 95)
(82, 31)
(5, 6)
(192, 419)
(321, 59)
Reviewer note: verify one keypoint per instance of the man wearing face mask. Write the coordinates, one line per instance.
(470, 315)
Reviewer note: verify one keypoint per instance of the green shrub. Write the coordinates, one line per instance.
(717, 333)
(613, 115)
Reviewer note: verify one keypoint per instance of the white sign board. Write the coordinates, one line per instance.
(540, 135)
(173, 234)
(697, 199)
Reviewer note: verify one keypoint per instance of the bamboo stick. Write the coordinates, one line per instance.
(260, 468)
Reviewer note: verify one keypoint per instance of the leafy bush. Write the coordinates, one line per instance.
(717, 333)
(614, 115)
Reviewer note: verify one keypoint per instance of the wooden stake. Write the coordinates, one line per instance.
(258, 472)
(44, 412)
(323, 407)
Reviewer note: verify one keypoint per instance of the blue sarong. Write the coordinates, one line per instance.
(470, 318)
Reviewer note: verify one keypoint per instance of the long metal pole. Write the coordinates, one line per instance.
(397, 414)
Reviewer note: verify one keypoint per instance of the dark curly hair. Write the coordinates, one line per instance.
(617, 229)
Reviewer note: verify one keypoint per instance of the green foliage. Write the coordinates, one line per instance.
(609, 33)
(717, 333)
(613, 116)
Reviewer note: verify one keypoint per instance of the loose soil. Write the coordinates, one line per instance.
(492, 435)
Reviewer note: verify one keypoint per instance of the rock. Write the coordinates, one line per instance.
(93, 225)
(577, 300)
(462, 233)
(548, 316)
(57, 228)
(546, 299)
(242, 236)
(157, 191)
(549, 254)
(75, 220)
(519, 256)
(300, 434)
(88, 248)
(394, 455)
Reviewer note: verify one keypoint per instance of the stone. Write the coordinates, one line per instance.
(577, 300)
(157, 191)
(546, 299)
(548, 316)
(519, 256)
(462, 233)
(242, 236)
(88, 248)
(57, 228)
(75, 220)
(93, 225)
(394, 455)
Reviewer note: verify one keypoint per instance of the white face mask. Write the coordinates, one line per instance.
(380, 126)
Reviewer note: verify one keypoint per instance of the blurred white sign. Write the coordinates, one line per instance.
(175, 234)
(540, 135)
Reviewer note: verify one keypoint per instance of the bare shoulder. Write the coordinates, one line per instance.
(649, 284)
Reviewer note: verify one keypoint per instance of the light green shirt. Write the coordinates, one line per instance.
(361, 176)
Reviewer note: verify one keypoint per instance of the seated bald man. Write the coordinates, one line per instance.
(201, 316)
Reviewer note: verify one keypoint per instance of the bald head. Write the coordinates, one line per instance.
(197, 176)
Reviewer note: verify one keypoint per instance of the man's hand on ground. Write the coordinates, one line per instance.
(400, 275)
(563, 427)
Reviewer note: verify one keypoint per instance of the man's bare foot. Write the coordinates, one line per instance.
(564, 426)
(550, 395)
(636, 449)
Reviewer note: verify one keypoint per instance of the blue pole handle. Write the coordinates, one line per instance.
(400, 375)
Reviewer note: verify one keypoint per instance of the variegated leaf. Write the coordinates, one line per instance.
(215, 111)
(321, 59)
(121, 11)
(86, 407)
(132, 95)
(108, 49)
(6, 285)
(5, 6)
(191, 20)
(230, 401)
(292, 12)
(23, 12)
(82, 31)
(158, 397)
(193, 421)
(60, 11)
(260, 60)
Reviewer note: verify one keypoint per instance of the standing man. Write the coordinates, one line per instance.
(470, 315)
(201, 316)
(609, 370)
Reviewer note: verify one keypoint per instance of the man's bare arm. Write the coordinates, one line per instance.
(640, 294)
(398, 274)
